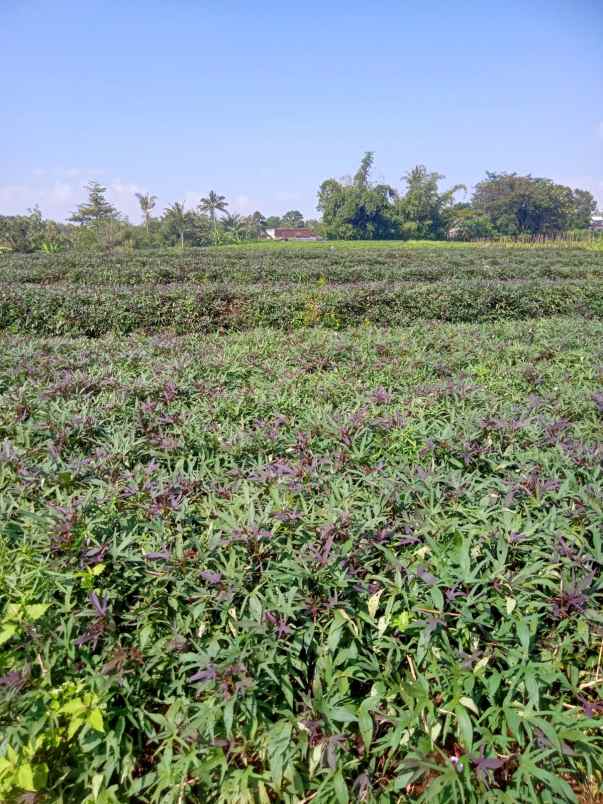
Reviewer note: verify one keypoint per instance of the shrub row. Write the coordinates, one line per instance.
(302, 265)
(93, 311)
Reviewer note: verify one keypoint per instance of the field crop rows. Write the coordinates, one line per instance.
(235, 289)
(316, 565)
(284, 263)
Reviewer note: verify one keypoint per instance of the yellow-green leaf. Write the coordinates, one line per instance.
(510, 604)
(74, 724)
(7, 632)
(37, 610)
(469, 703)
(25, 777)
(95, 720)
(373, 603)
(73, 706)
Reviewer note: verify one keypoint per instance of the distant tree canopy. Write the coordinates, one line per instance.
(526, 205)
(96, 209)
(359, 209)
(353, 208)
(502, 204)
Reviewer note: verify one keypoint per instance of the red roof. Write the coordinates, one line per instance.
(291, 233)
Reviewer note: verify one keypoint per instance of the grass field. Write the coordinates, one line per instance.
(350, 556)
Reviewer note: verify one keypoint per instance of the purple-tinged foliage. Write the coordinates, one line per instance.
(381, 396)
(227, 642)
(485, 766)
(159, 555)
(16, 679)
(425, 576)
(591, 708)
(280, 625)
(210, 577)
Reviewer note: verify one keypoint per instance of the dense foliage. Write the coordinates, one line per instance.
(336, 566)
(503, 204)
(524, 204)
(357, 208)
(219, 290)
(97, 226)
(289, 263)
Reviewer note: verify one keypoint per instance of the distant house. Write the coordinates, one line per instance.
(292, 233)
(596, 223)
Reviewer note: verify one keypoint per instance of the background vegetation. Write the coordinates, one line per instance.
(503, 205)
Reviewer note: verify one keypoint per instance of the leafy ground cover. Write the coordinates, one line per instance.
(316, 565)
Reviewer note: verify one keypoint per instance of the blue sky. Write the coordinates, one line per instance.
(261, 102)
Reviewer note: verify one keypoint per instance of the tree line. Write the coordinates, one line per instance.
(353, 208)
(97, 224)
(503, 204)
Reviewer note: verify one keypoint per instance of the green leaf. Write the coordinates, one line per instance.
(25, 778)
(465, 727)
(228, 717)
(95, 720)
(37, 610)
(74, 724)
(8, 631)
(438, 598)
(74, 706)
(278, 742)
(341, 714)
(373, 603)
(97, 781)
(365, 725)
(469, 703)
(340, 788)
(523, 632)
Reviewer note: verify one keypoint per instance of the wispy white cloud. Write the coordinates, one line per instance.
(599, 129)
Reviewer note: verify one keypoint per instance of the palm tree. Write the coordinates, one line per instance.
(212, 204)
(233, 225)
(256, 225)
(176, 220)
(147, 204)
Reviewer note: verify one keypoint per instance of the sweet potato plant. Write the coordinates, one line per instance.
(309, 566)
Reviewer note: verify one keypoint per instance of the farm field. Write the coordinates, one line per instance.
(230, 289)
(299, 525)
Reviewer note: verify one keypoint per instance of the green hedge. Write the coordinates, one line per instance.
(92, 311)
(302, 265)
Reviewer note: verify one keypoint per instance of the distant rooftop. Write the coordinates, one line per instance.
(292, 233)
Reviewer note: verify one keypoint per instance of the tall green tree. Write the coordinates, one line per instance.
(213, 204)
(176, 223)
(524, 204)
(233, 226)
(96, 209)
(273, 222)
(255, 225)
(24, 233)
(147, 203)
(293, 218)
(585, 207)
(423, 208)
(358, 209)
